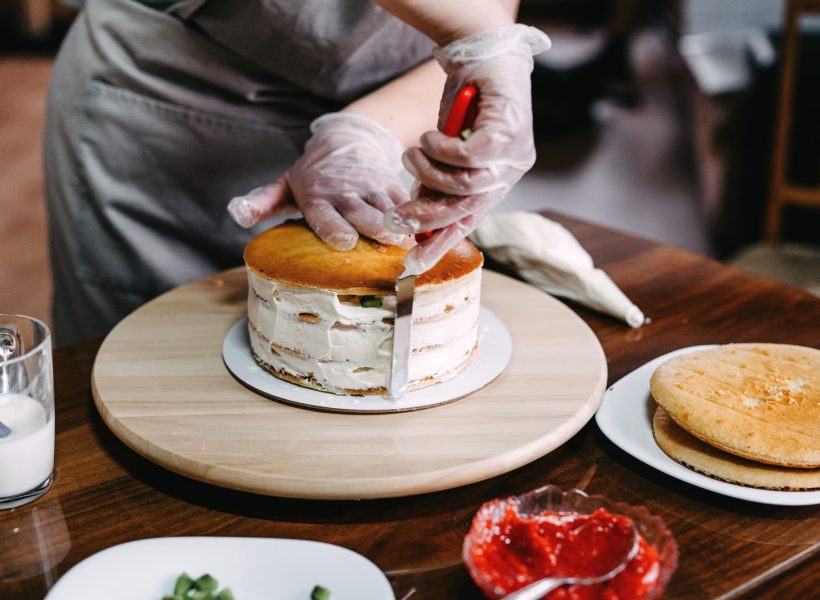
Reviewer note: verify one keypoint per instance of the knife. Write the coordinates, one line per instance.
(462, 114)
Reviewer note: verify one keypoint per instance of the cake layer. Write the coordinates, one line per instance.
(292, 253)
(430, 365)
(331, 341)
(758, 401)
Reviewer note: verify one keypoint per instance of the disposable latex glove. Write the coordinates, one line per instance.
(345, 181)
(463, 179)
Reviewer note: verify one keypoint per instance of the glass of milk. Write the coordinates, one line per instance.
(26, 410)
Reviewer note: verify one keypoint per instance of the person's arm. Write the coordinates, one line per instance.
(462, 179)
(348, 176)
(449, 20)
(409, 105)
(342, 192)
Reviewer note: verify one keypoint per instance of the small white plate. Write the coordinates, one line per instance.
(494, 353)
(625, 417)
(254, 569)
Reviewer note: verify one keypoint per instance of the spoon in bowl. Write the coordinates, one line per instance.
(609, 568)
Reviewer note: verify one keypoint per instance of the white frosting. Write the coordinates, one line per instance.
(342, 346)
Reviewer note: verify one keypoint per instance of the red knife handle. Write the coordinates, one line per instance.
(462, 112)
(462, 115)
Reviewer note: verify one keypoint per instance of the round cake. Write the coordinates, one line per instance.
(757, 401)
(699, 456)
(323, 318)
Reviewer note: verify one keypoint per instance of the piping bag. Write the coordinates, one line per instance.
(547, 255)
(462, 115)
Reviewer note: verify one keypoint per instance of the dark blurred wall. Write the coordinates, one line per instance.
(33, 26)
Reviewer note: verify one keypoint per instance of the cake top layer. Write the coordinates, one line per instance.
(758, 401)
(292, 253)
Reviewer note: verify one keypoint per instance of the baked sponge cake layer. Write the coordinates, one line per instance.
(291, 253)
(323, 318)
(757, 401)
(689, 451)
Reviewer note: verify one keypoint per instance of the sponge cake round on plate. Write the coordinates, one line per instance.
(757, 401)
(691, 452)
(323, 318)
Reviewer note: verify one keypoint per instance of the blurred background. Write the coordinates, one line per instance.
(666, 119)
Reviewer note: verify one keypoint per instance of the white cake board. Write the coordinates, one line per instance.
(492, 357)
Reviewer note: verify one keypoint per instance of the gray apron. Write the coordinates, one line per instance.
(158, 115)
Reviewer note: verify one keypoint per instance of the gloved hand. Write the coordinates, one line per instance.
(345, 181)
(463, 179)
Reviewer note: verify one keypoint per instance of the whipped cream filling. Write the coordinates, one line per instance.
(339, 345)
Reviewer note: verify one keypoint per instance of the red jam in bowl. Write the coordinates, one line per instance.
(507, 550)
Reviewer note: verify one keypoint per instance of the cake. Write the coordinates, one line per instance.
(760, 402)
(699, 456)
(323, 318)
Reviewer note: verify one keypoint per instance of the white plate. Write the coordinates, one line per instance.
(254, 569)
(625, 417)
(494, 353)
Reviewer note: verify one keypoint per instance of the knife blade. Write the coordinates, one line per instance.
(402, 325)
(462, 114)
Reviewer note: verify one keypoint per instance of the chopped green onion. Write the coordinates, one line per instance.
(206, 583)
(183, 584)
(371, 301)
(203, 588)
(466, 134)
(225, 594)
(320, 593)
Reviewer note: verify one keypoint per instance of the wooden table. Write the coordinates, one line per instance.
(105, 494)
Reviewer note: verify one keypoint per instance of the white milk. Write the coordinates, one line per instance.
(27, 454)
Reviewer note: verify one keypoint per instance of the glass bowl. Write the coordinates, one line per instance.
(552, 499)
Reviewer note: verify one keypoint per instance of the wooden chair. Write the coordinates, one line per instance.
(781, 192)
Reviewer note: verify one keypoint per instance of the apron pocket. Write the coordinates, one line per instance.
(156, 179)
